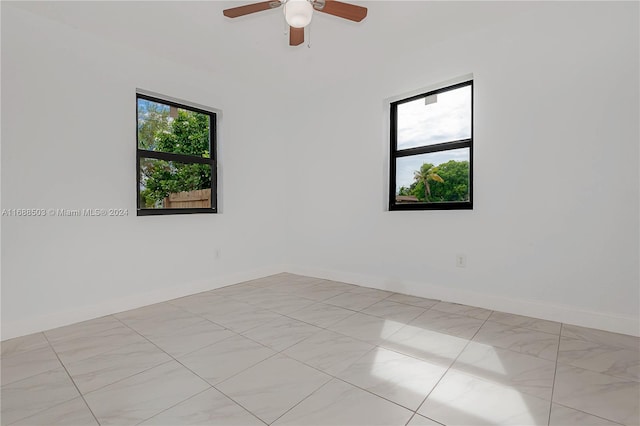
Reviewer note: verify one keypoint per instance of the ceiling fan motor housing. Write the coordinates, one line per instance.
(298, 13)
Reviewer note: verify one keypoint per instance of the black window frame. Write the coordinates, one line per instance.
(181, 158)
(425, 149)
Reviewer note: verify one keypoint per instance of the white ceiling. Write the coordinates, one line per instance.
(255, 47)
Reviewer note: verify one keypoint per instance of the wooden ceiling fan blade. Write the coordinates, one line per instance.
(348, 11)
(296, 36)
(247, 9)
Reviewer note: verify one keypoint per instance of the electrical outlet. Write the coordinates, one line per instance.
(461, 260)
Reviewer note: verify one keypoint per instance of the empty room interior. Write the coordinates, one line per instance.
(315, 212)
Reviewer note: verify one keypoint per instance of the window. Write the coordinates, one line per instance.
(432, 150)
(176, 161)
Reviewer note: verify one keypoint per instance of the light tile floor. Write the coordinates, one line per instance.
(294, 350)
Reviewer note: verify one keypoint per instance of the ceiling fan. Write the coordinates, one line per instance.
(298, 13)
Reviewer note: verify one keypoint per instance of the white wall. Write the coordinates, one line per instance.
(554, 230)
(68, 141)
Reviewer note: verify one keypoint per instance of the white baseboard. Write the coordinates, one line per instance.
(533, 308)
(108, 307)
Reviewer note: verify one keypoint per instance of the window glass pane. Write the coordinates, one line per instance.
(170, 184)
(433, 178)
(444, 117)
(167, 128)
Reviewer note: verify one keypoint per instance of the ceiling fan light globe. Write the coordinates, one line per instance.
(298, 13)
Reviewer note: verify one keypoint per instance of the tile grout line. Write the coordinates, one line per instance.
(410, 418)
(193, 372)
(195, 395)
(31, 375)
(589, 414)
(237, 334)
(172, 359)
(372, 344)
(511, 326)
(305, 322)
(255, 306)
(555, 372)
(469, 340)
(453, 335)
(159, 348)
(281, 352)
(88, 358)
(240, 405)
(415, 412)
(420, 415)
(586, 369)
(72, 381)
(200, 315)
(450, 365)
(375, 346)
(50, 408)
(197, 314)
(302, 400)
(349, 383)
(430, 308)
(168, 408)
(118, 348)
(375, 394)
(61, 366)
